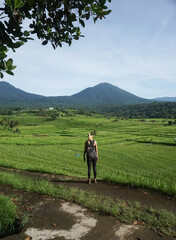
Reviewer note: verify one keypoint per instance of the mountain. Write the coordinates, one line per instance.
(101, 94)
(106, 94)
(166, 99)
(8, 92)
(15, 97)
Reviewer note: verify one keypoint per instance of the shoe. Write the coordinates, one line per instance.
(95, 180)
(89, 181)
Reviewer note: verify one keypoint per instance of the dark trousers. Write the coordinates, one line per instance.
(89, 161)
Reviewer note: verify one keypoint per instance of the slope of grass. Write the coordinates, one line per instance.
(132, 152)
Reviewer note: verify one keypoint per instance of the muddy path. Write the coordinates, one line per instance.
(117, 191)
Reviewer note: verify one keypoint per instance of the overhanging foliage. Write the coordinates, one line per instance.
(55, 21)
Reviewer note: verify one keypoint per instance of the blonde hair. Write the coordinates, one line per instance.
(90, 135)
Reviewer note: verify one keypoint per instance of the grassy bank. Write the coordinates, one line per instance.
(127, 212)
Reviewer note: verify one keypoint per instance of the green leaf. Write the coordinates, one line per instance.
(53, 45)
(18, 4)
(2, 55)
(39, 14)
(107, 12)
(88, 16)
(10, 73)
(18, 44)
(13, 67)
(3, 48)
(21, 5)
(30, 2)
(87, 9)
(78, 31)
(102, 2)
(82, 22)
(9, 63)
(26, 33)
(2, 65)
(1, 75)
(8, 2)
(45, 42)
(2, 30)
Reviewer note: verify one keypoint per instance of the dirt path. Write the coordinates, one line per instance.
(148, 198)
(61, 220)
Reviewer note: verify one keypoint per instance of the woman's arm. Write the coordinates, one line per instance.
(85, 150)
(96, 149)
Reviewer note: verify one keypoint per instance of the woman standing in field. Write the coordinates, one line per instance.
(92, 156)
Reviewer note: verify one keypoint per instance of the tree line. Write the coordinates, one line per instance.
(147, 110)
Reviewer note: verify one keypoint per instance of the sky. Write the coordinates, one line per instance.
(134, 48)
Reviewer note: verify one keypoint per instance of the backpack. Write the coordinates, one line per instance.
(91, 151)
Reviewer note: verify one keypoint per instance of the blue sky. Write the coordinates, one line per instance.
(134, 48)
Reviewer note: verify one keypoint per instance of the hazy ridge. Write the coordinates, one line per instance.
(101, 94)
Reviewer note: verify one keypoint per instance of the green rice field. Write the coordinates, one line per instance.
(134, 152)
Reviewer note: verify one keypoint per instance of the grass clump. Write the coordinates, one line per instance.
(128, 212)
(8, 215)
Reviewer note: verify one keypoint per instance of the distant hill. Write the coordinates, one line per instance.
(106, 94)
(8, 92)
(166, 99)
(15, 97)
(101, 94)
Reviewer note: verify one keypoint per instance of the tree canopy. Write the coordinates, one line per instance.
(55, 21)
